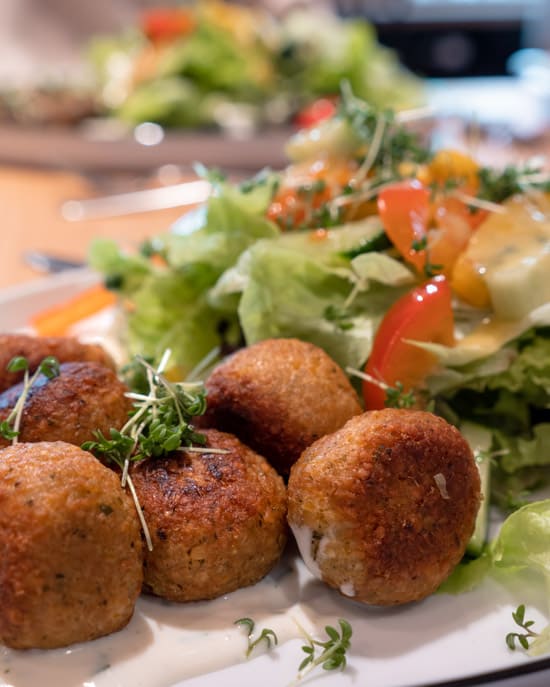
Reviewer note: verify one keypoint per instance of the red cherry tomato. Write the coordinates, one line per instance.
(423, 314)
(166, 23)
(315, 112)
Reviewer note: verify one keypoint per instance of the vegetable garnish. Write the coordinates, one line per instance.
(56, 321)
(333, 654)
(522, 638)
(159, 424)
(49, 368)
(534, 643)
(396, 396)
(267, 635)
(424, 314)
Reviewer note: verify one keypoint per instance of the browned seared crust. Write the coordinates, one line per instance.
(35, 349)
(385, 529)
(217, 520)
(85, 397)
(70, 548)
(279, 396)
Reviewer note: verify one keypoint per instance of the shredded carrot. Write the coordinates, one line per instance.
(55, 321)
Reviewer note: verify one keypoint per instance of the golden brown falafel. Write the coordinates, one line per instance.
(70, 549)
(84, 397)
(36, 348)
(383, 509)
(217, 520)
(279, 396)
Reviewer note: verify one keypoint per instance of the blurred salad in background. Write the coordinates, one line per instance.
(212, 63)
(422, 273)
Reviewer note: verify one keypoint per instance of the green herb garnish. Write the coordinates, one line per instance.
(376, 244)
(498, 185)
(267, 636)
(340, 317)
(397, 397)
(333, 654)
(522, 638)
(159, 424)
(49, 368)
(395, 143)
(430, 268)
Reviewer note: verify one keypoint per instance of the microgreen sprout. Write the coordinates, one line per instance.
(396, 396)
(159, 424)
(267, 636)
(49, 368)
(430, 269)
(522, 638)
(333, 650)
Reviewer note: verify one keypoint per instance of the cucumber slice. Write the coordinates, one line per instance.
(480, 439)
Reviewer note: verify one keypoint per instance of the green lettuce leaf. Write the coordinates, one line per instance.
(169, 305)
(290, 294)
(170, 311)
(225, 228)
(521, 544)
(124, 272)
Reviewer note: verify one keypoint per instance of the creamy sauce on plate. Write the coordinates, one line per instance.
(166, 642)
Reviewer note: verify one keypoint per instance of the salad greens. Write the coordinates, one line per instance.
(266, 259)
(209, 63)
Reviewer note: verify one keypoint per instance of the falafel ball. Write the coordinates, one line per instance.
(36, 348)
(217, 519)
(279, 396)
(71, 558)
(84, 397)
(383, 509)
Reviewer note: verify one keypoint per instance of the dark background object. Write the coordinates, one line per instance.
(452, 38)
(461, 49)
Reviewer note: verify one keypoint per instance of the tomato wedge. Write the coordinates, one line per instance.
(423, 314)
(425, 231)
(315, 113)
(166, 23)
(404, 208)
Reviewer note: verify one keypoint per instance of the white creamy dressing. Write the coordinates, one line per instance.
(169, 642)
(347, 589)
(304, 539)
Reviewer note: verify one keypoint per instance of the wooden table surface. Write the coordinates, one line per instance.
(30, 216)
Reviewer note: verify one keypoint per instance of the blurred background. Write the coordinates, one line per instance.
(99, 98)
(432, 37)
(240, 66)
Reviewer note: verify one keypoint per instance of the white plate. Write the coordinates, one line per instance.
(444, 640)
